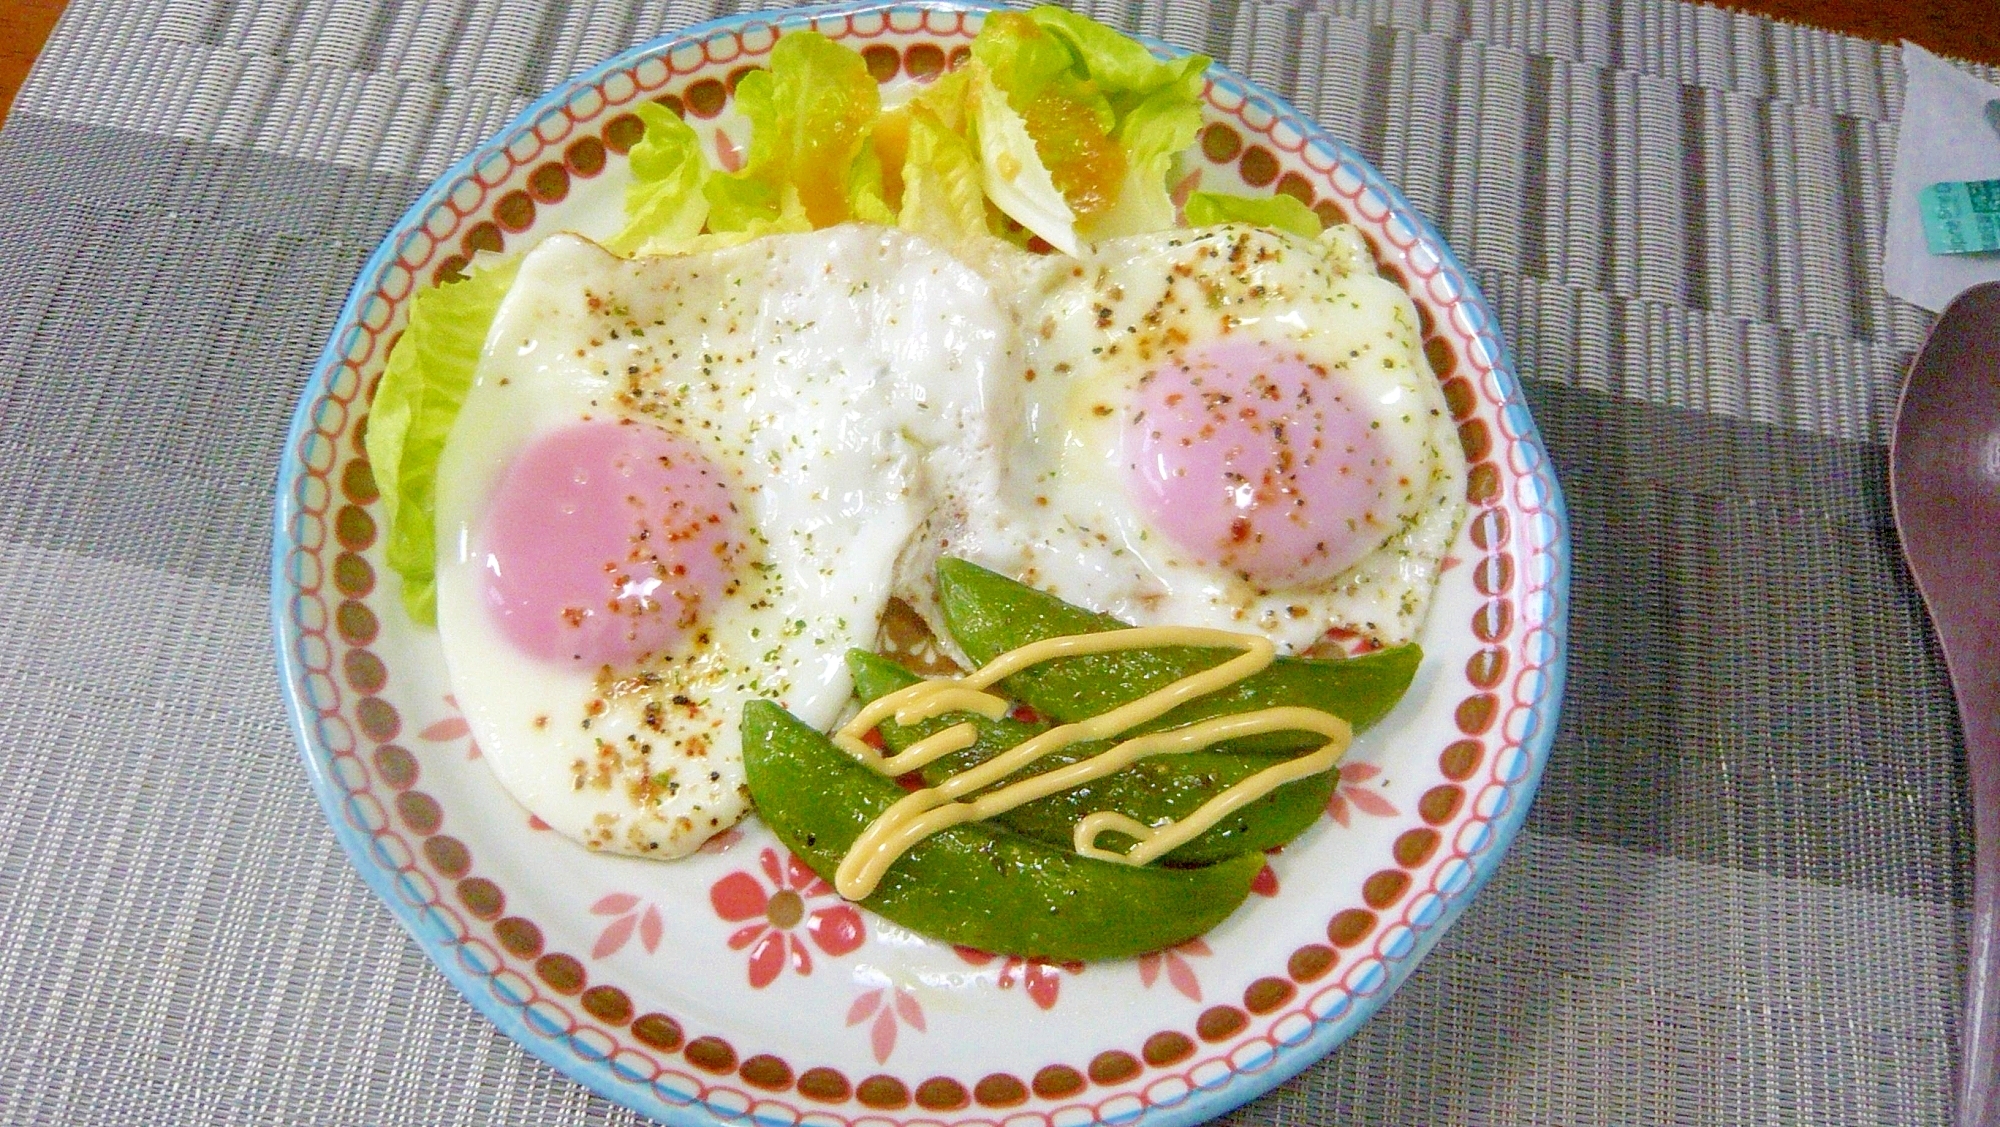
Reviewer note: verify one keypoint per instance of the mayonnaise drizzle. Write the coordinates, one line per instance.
(925, 812)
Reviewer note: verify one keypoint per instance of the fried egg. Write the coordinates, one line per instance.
(681, 483)
(1231, 427)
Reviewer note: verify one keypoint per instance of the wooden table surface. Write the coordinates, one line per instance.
(1964, 28)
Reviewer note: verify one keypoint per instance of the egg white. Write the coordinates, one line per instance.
(1060, 518)
(836, 376)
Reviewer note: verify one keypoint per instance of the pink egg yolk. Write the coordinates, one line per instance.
(1257, 460)
(606, 544)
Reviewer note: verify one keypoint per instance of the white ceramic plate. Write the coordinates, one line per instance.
(735, 985)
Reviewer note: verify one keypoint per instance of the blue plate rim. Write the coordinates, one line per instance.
(599, 1076)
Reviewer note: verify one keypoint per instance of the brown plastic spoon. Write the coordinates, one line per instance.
(1944, 480)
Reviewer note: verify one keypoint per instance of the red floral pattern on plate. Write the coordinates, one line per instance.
(888, 1006)
(780, 906)
(1265, 883)
(727, 155)
(628, 918)
(1180, 973)
(452, 729)
(722, 842)
(1349, 792)
(1041, 978)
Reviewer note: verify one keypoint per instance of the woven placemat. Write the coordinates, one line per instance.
(1739, 896)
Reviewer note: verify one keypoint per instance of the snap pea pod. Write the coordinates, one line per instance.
(989, 614)
(976, 885)
(1153, 791)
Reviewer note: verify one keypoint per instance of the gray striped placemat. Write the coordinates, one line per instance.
(1739, 898)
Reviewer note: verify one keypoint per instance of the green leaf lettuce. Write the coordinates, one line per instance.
(422, 388)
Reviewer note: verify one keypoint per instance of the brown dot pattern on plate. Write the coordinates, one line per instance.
(549, 183)
(1267, 994)
(360, 440)
(1475, 713)
(419, 811)
(1444, 361)
(365, 671)
(353, 527)
(883, 1093)
(1257, 166)
(584, 157)
(673, 104)
(925, 61)
(1476, 440)
(1310, 962)
(1489, 529)
(352, 576)
(825, 1085)
(515, 212)
(657, 1031)
(1494, 620)
(706, 98)
(482, 897)
(1493, 575)
(1347, 928)
(959, 57)
(1385, 888)
(1218, 1023)
(767, 1072)
(1440, 804)
(563, 973)
(1219, 143)
(1000, 1090)
(1485, 668)
(1482, 484)
(883, 61)
(942, 1093)
(1294, 185)
(447, 855)
(1330, 213)
(378, 720)
(1414, 847)
(355, 622)
(396, 765)
(451, 269)
(1426, 324)
(1167, 1048)
(735, 77)
(1460, 759)
(608, 1004)
(711, 1054)
(1057, 1081)
(357, 482)
(1113, 1067)
(520, 936)
(623, 132)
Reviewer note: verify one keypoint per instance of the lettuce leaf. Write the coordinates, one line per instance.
(1073, 131)
(1156, 131)
(1122, 68)
(1105, 119)
(943, 197)
(1011, 172)
(867, 194)
(422, 388)
(810, 118)
(1283, 212)
(665, 206)
(1024, 60)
